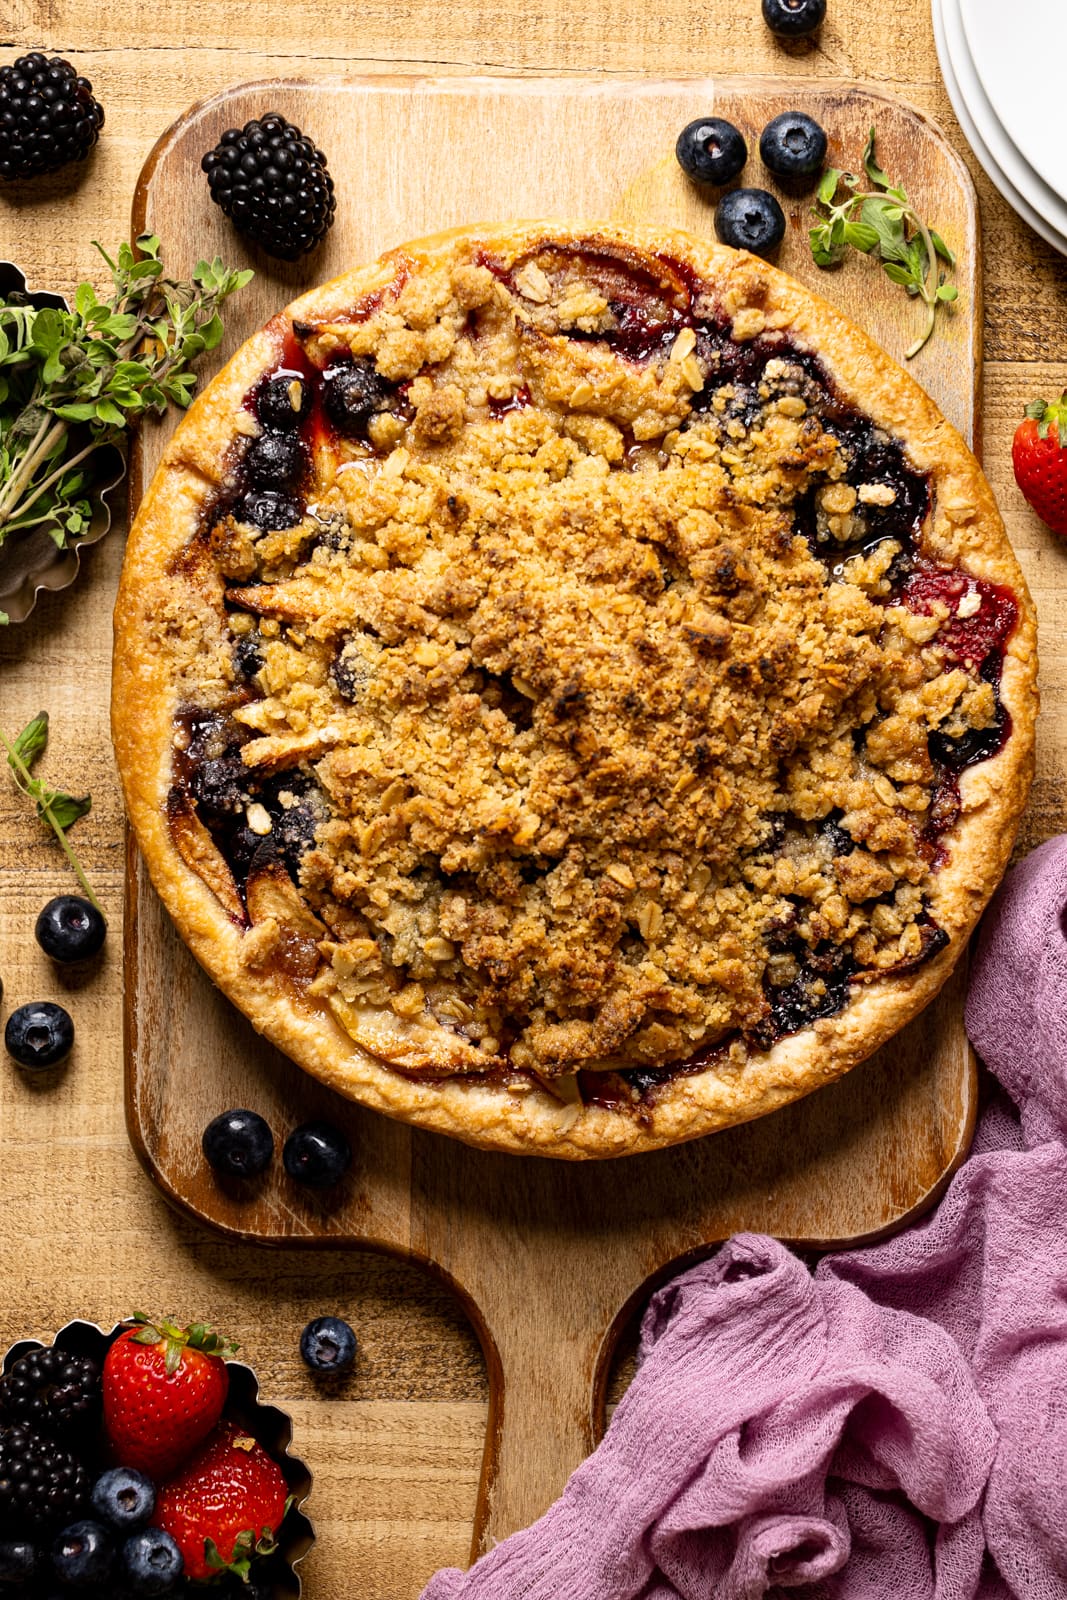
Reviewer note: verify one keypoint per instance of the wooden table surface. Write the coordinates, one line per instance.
(396, 1450)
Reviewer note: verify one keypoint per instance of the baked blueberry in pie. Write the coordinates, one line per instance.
(572, 690)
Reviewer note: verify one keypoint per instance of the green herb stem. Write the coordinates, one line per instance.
(928, 297)
(49, 432)
(29, 786)
(925, 293)
(881, 221)
(50, 482)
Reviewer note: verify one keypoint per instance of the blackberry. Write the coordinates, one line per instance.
(42, 1485)
(51, 1391)
(272, 183)
(48, 116)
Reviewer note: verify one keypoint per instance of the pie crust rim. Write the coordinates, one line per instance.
(687, 1106)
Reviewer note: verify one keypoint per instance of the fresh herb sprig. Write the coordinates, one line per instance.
(57, 809)
(881, 220)
(71, 382)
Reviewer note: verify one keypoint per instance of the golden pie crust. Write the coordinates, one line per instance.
(578, 754)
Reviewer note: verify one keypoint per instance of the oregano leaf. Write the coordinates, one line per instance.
(882, 222)
(96, 368)
(32, 741)
(67, 809)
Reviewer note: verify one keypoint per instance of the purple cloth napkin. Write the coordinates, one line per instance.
(893, 1428)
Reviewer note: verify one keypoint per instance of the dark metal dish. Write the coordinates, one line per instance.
(32, 562)
(272, 1427)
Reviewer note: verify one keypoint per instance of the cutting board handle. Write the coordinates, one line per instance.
(545, 1373)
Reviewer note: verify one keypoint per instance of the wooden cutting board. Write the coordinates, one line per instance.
(549, 1259)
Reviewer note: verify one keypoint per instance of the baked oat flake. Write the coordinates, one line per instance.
(572, 689)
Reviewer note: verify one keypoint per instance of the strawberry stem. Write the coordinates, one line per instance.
(199, 1336)
(1046, 416)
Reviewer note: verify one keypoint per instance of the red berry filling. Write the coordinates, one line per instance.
(648, 306)
(973, 630)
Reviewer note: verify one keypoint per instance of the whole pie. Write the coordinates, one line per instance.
(572, 689)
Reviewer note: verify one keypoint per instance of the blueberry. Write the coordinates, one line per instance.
(152, 1562)
(238, 1144)
(328, 1345)
(710, 150)
(283, 402)
(40, 1034)
(220, 783)
(123, 1498)
(18, 1562)
(82, 1555)
(248, 656)
(253, 1586)
(793, 145)
(274, 461)
(352, 393)
(268, 511)
(70, 928)
(750, 219)
(317, 1154)
(793, 19)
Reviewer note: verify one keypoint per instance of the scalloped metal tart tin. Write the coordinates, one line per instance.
(32, 562)
(266, 1423)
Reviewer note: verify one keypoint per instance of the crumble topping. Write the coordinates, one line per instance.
(589, 679)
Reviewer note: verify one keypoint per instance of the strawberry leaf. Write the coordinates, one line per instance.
(146, 1336)
(212, 1558)
(1046, 415)
(266, 1544)
(246, 1548)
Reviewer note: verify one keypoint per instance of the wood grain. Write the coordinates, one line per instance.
(396, 1453)
(580, 1245)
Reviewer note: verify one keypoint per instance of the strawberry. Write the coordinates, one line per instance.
(1039, 456)
(225, 1505)
(164, 1390)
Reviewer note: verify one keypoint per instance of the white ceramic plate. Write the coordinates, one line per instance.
(1009, 158)
(1020, 53)
(953, 70)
